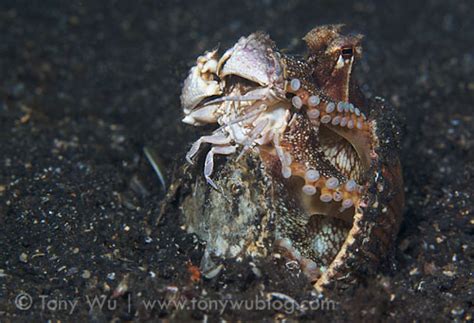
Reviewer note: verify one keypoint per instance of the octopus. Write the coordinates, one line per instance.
(304, 147)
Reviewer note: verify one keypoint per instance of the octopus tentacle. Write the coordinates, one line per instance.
(305, 159)
(319, 105)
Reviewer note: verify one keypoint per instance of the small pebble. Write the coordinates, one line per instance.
(457, 311)
(214, 272)
(86, 274)
(24, 257)
(72, 271)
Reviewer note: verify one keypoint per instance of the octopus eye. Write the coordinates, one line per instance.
(347, 52)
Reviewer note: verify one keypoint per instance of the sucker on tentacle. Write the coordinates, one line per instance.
(308, 161)
(319, 105)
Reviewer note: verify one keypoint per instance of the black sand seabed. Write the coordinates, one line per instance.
(85, 85)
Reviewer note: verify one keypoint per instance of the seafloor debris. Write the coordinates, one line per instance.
(312, 170)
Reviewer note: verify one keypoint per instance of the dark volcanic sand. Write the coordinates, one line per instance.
(85, 86)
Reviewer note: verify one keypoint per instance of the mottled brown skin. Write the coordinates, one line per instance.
(325, 44)
(378, 219)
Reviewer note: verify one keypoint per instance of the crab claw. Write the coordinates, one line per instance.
(202, 115)
(200, 84)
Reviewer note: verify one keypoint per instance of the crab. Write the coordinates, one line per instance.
(243, 92)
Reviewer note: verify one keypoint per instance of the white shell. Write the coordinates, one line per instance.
(252, 59)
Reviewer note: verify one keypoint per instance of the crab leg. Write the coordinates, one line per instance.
(254, 95)
(209, 163)
(248, 116)
(253, 135)
(216, 139)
